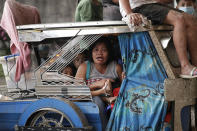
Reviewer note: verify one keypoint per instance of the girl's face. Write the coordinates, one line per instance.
(68, 71)
(100, 54)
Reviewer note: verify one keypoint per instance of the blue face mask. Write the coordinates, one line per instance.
(189, 10)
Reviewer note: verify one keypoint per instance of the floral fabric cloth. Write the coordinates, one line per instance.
(140, 105)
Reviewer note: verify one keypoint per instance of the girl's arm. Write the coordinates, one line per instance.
(98, 92)
(104, 86)
(81, 72)
(98, 84)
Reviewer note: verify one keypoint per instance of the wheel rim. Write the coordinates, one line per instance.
(49, 117)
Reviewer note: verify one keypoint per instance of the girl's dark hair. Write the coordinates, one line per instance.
(108, 45)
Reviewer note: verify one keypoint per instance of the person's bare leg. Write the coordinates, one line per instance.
(192, 39)
(180, 39)
(192, 47)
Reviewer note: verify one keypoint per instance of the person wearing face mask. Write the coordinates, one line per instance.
(187, 6)
(184, 32)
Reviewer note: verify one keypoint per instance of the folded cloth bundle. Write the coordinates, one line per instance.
(15, 14)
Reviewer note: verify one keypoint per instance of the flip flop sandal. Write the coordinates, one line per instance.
(193, 74)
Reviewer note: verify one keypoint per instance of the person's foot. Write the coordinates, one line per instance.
(189, 72)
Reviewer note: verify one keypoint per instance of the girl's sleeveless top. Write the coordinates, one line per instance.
(94, 75)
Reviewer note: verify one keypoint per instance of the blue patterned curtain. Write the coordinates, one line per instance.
(140, 105)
